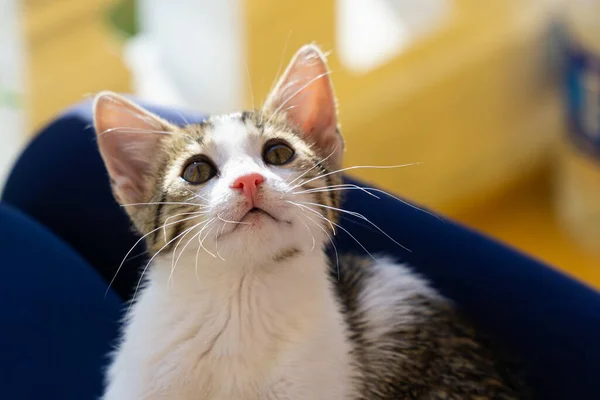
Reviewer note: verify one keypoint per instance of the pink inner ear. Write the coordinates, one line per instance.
(319, 115)
(305, 94)
(128, 137)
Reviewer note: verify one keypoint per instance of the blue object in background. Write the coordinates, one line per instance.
(62, 237)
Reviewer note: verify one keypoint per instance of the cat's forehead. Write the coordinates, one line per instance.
(228, 130)
(239, 132)
(232, 131)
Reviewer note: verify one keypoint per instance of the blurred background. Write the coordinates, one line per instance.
(498, 100)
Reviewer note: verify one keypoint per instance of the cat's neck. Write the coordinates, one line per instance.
(281, 319)
(256, 309)
(298, 283)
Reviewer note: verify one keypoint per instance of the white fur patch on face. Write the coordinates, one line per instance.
(236, 149)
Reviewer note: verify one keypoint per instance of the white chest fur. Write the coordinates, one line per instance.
(274, 333)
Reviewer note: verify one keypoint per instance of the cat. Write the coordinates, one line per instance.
(239, 299)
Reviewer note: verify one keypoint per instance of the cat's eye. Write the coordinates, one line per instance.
(198, 171)
(277, 153)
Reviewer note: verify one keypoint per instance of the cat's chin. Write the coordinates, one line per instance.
(260, 237)
(257, 224)
(256, 216)
(255, 221)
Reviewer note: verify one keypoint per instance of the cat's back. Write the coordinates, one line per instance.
(409, 342)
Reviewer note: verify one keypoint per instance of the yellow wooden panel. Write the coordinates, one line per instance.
(71, 54)
(471, 102)
(42, 18)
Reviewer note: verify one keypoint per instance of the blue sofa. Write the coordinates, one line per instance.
(62, 237)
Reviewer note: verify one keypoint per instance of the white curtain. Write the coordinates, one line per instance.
(12, 123)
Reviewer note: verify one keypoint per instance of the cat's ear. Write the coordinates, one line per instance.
(129, 138)
(305, 94)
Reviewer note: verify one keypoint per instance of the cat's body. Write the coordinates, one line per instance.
(269, 334)
(239, 299)
(379, 332)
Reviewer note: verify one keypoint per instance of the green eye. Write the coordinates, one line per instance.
(278, 153)
(198, 171)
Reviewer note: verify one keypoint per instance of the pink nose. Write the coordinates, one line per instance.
(248, 184)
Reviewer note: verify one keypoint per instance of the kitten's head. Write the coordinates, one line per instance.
(238, 185)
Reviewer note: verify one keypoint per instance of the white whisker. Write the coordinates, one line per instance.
(314, 166)
(334, 188)
(217, 242)
(184, 247)
(152, 259)
(142, 130)
(337, 257)
(197, 214)
(359, 215)
(174, 264)
(176, 203)
(197, 195)
(136, 243)
(367, 189)
(357, 167)
(177, 245)
(233, 222)
(201, 246)
(197, 255)
(185, 120)
(287, 41)
(342, 228)
(289, 108)
(311, 234)
(361, 224)
(201, 243)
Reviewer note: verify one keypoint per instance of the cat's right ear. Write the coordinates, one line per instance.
(129, 138)
(305, 95)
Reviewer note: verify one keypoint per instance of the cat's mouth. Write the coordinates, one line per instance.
(256, 212)
(254, 218)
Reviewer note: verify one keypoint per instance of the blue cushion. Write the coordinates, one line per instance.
(552, 321)
(58, 322)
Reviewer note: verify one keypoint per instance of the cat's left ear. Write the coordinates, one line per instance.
(129, 138)
(305, 95)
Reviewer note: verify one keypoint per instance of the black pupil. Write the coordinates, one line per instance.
(198, 172)
(279, 154)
